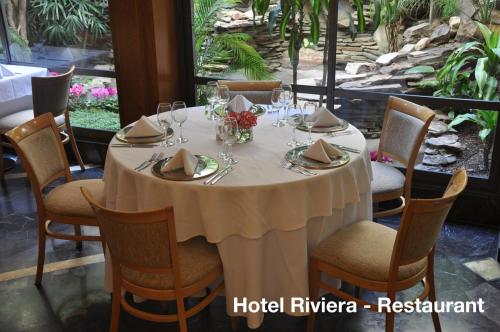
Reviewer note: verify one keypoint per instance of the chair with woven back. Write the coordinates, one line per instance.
(38, 145)
(148, 262)
(403, 131)
(258, 92)
(50, 95)
(378, 258)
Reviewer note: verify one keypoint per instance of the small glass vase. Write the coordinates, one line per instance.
(246, 135)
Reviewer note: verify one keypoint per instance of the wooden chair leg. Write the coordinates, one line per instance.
(78, 232)
(234, 323)
(357, 292)
(1, 160)
(72, 141)
(432, 294)
(116, 302)
(314, 278)
(389, 316)
(41, 253)
(181, 314)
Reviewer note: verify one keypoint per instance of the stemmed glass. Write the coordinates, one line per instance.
(213, 97)
(308, 110)
(223, 98)
(164, 121)
(231, 135)
(180, 115)
(277, 102)
(221, 133)
(287, 98)
(294, 117)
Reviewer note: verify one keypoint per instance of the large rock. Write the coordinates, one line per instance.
(415, 33)
(380, 38)
(422, 43)
(386, 59)
(454, 23)
(438, 160)
(449, 142)
(438, 128)
(468, 29)
(407, 49)
(441, 34)
(354, 68)
(466, 7)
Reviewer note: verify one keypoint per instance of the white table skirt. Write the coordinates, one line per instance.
(264, 219)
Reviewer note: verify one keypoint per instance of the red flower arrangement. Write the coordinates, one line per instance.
(245, 119)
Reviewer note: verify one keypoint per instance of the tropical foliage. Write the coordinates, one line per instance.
(388, 13)
(223, 51)
(68, 22)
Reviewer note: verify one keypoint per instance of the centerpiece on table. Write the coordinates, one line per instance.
(240, 109)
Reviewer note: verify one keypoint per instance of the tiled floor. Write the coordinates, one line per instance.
(74, 299)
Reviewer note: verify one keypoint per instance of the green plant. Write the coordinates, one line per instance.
(67, 22)
(446, 8)
(485, 9)
(223, 51)
(388, 12)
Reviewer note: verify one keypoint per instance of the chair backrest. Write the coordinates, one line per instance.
(422, 221)
(258, 92)
(51, 93)
(143, 241)
(38, 144)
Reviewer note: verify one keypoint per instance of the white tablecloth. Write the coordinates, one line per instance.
(15, 91)
(263, 218)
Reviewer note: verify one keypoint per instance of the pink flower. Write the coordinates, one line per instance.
(99, 93)
(54, 73)
(374, 155)
(112, 91)
(77, 90)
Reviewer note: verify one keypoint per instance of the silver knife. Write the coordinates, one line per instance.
(226, 172)
(346, 148)
(216, 174)
(133, 145)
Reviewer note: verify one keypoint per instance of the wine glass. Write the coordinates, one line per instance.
(223, 97)
(164, 121)
(287, 98)
(180, 115)
(212, 94)
(231, 135)
(308, 111)
(294, 117)
(221, 133)
(277, 102)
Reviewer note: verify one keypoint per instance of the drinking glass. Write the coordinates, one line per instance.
(308, 110)
(164, 121)
(277, 102)
(287, 98)
(221, 132)
(180, 115)
(294, 117)
(231, 135)
(213, 97)
(223, 97)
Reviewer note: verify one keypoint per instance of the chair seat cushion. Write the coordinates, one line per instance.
(67, 199)
(364, 249)
(18, 118)
(386, 178)
(197, 258)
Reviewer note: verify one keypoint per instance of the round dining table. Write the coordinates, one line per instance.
(264, 219)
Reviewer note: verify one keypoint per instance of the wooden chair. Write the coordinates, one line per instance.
(148, 262)
(403, 131)
(50, 95)
(258, 92)
(38, 144)
(375, 257)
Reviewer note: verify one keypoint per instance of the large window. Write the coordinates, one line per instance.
(58, 34)
(436, 53)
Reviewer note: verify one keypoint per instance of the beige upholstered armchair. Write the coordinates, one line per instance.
(258, 92)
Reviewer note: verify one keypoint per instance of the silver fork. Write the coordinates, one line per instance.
(158, 157)
(146, 162)
(287, 165)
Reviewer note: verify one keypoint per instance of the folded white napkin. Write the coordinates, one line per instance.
(322, 151)
(239, 104)
(5, 72)
(144, 128)
(324, 118)
(183, 159)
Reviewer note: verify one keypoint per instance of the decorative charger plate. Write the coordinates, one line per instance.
(343, 125)
(121, 136)
(295, 156)
(206, 166)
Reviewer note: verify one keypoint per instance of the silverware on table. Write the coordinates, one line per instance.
(340, 133)
(216, 174)
(288, 165)
(118, 145)
(158, 157)
(346, 148)
(223, 174)
(150, 160)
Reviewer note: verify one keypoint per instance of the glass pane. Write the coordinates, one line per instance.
(93, 103)
(229, 45)
(74, 32)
